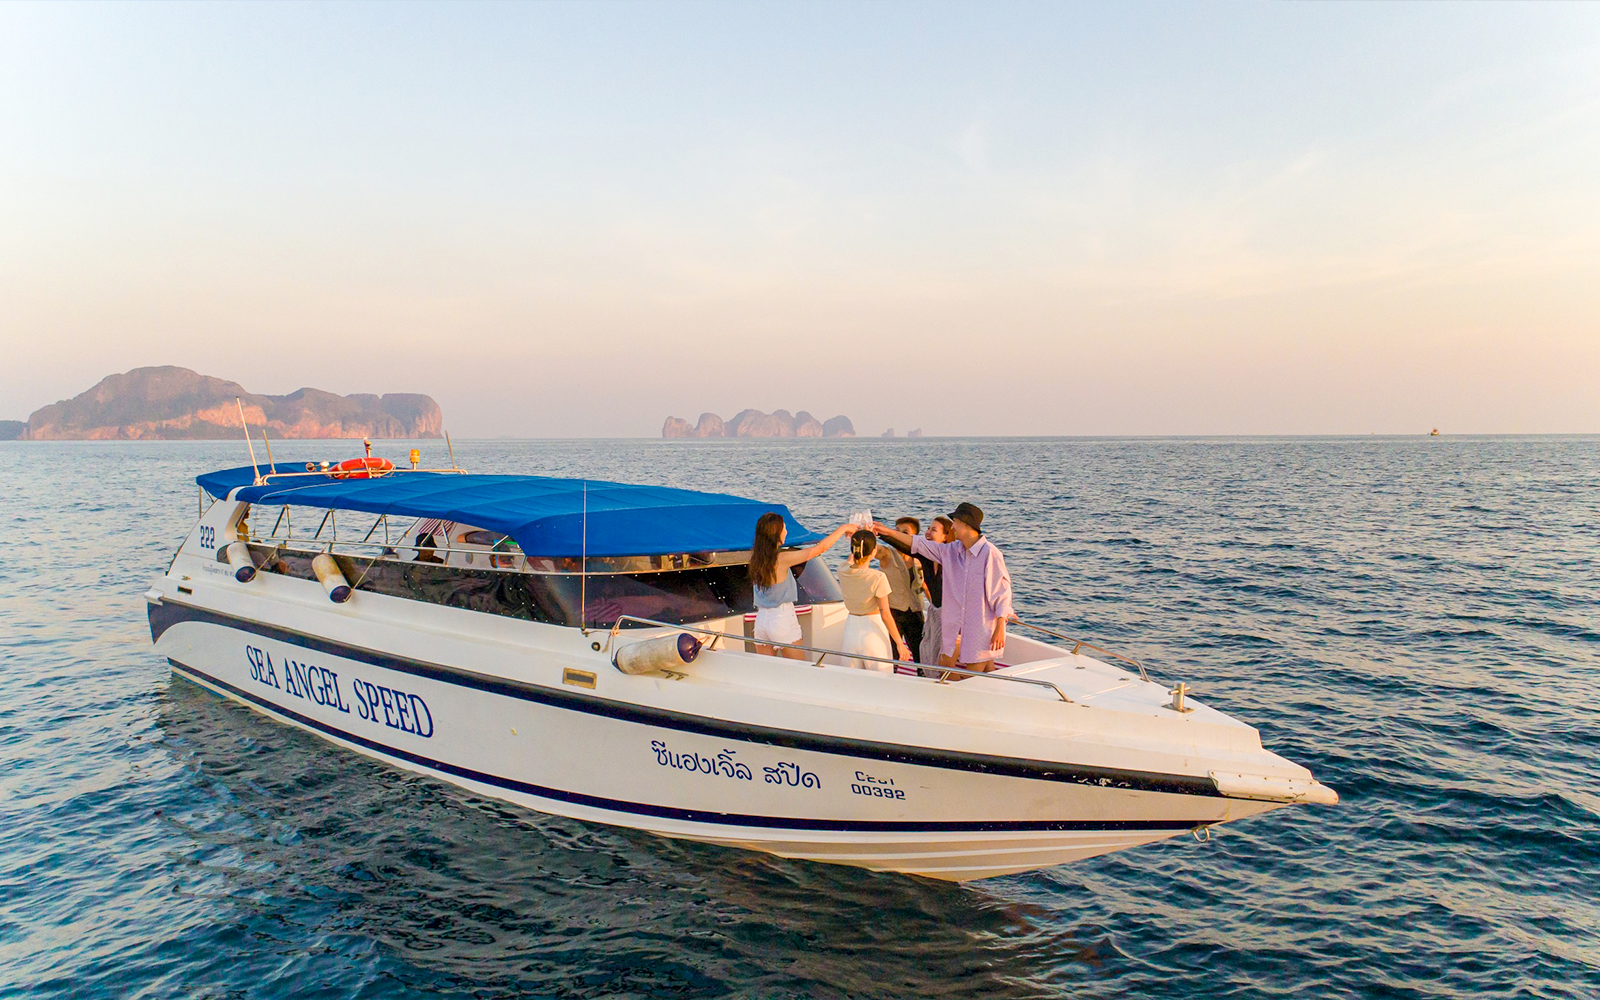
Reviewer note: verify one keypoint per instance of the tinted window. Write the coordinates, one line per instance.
(677, 596)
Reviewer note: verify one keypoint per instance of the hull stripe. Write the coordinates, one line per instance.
(670, 812)
(168, 613)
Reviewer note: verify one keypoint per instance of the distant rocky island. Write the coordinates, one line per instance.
(170, 403)
(755, 424)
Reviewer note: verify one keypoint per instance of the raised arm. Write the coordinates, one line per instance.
(899, 539)
(915, 545)
(794, 557)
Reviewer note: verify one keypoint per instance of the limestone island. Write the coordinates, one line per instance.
(170, 403)
(755, 424)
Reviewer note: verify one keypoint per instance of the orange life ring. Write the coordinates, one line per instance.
(361, 468)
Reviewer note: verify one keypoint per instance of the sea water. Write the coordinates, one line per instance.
(1416, 620)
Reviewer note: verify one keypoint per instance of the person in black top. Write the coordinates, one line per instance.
(906, 589)
(939, 530)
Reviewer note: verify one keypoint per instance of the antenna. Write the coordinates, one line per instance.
(583, 567)
(247, 443)
(452, 448)
(270, 463)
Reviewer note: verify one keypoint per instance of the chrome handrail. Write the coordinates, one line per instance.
(332, 473)
(1082, 643)
(617, 627)
(390, 551)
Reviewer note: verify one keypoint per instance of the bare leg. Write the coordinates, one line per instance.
(951, 660)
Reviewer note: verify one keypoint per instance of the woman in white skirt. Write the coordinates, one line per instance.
(870, 628)
(775, 590)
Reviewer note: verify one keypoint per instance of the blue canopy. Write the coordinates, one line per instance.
(543, 515)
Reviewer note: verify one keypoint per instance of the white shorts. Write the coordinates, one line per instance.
(777, 624)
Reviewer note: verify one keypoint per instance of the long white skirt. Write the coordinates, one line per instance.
(867, 636)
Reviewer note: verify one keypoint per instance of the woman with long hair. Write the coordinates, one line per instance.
(870, 628)
(770, 573)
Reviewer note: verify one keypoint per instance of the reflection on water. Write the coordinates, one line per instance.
(1414, 620)
(474, 891)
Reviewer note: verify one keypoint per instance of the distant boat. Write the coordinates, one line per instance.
(1434, 433)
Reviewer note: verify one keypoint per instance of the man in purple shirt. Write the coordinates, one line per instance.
(977, 589)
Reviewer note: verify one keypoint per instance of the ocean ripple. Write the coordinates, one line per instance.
(1413, 619)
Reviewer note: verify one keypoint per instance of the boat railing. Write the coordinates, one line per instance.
(822, 653)
(276, 478)
(374, 551)
(498, 561)
(270, 478)
(367, 547)
(511, 559)
(1079, 644)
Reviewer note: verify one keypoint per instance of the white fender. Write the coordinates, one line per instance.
(332, 580)
(665, 652)
(238, 556)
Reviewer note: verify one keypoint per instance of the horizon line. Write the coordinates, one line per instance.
(871, 437)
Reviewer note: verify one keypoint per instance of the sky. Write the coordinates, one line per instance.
(576, 219)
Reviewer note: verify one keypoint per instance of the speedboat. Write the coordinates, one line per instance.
(582, 648)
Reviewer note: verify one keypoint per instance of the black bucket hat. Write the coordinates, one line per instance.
(969, 515)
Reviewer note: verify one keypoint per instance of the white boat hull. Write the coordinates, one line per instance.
(1065, 757)
(794, 790)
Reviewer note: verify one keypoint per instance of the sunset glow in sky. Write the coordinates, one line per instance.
(576, 219)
